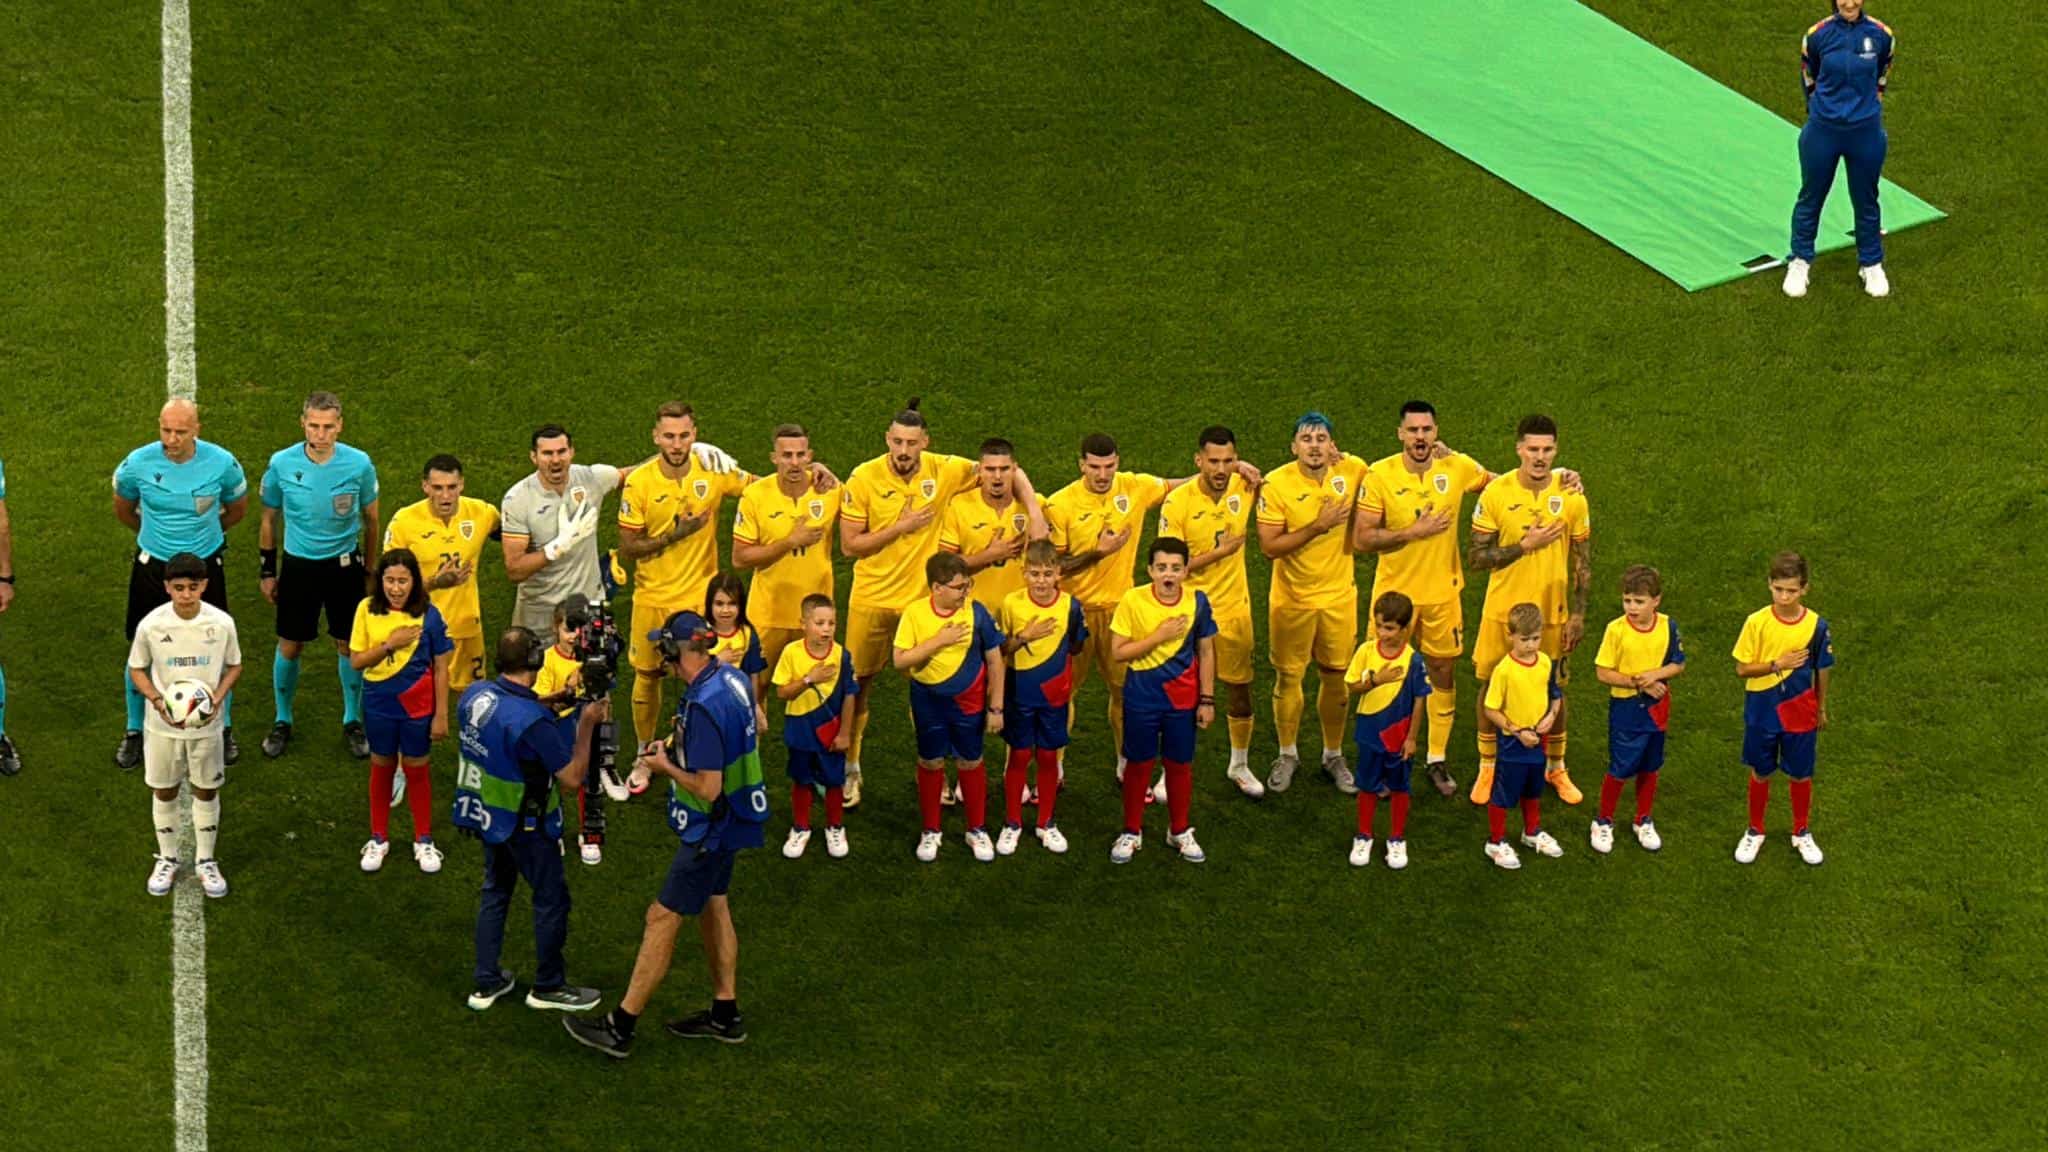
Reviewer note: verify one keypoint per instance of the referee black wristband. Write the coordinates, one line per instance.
(266, 563)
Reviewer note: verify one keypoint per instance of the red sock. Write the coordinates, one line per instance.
(1397, 823)
(974, 791)
(1646, 794)
(835, 806)
(1368, 803)
(800, 807)
(1048, 784)
(1610, 795)
(1496, 823)
(380, 798)
(1532, 816)
(1137, 782)
(1802, 804)
(582, 799)
(1180, 793)
(1759, 799)
(931, 783)
(419, 796)
(1014, 779)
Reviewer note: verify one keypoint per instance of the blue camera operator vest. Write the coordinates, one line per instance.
(489, 785)
(715, 732)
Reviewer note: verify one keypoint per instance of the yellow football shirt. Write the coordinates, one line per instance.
(970, 525)
(1190, 514)
(1078, 517)
(1521, 692)
(1510, 510)
(1319, 574)
(1368, 661)
(1764, 638)
(1426, 571)
(1630, 650)
(651, 503)
(556, 674)
(921, 621)
(416, 529)
(794, 664)
(766, 516)
(873, 498)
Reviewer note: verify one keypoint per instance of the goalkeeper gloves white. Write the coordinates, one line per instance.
(573, 525)
(714, 458)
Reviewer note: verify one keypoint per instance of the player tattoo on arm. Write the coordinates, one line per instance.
(1582, 574)
(1487, 553)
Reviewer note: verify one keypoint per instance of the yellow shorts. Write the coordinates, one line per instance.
(1234, 646)
(1297, 637)
(871, 638)
(640, 651)
(466, 665)
(774, 640)
(1440, 629)
(1490, 647)
(1096, 653)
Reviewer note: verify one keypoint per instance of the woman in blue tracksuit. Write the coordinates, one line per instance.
(1843, 61)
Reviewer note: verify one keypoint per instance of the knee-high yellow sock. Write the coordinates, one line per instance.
(1116, 715)
(1443, 712)
(1553, 749)
(860, 728)
(646, 708)
(1333, 701)
(1489, 747)
(1287, 705)
(1240, 733)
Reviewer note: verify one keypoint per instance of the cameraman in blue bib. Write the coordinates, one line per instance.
(513, 754)
(717, 806)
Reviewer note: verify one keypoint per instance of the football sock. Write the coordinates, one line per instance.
(419, 796)
(1180, 793)
(1015, 773)
(623, 1023)
(1443, 711)
(1610, 795)
(380, 798)
(1368, 804)
(860, 729)
(1553, 750)
(1048, 784)
(835, 806)
(1287, 705)
(135, 702)
(1333, 704)
(164, 814)
(646, 707)
(1240, 740)
(284, 685)
(1496, 823)
(1489, 746)
(724, 1012)
(931, 782)
(1532, 816)
(1759, 799)
(974, 794)
(351, 691)
(800, 807)
(205, 826)
(1137, 783)
(1802, 804)
(1397, 816)
(1646, 794)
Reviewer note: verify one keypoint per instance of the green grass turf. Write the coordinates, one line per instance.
(1045, 218)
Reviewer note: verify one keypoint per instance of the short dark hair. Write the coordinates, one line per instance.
(441, 462)
(184, 566)
(1642, 580)
(1418, 408)
(322, 401)
(519, 650)
(549, 432)
(909, 416)
(1215, 434)
(1535, 424)
(675, 410)
(997, 446)
(1788, 566)
(1394, 607)
(416, 600)
(1098, 444)
(730, 584)
(944, 568)
(812, 603)
(1169, 545)
(789, 432)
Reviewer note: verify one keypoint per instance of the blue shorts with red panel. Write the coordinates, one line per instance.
(392, 737)
(1036, 728)
(943, 729)
(1167, 735)
(1631, 752)
(809, 769)
(1381, 767)
(1764, 752)
(1515, 781)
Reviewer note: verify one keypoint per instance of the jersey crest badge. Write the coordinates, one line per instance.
(817, 509)
(344, 503)
(1234, 502)
(467, 528)
(212, 633)
(702, 488)
(579, 495)
(1017, 523)
(1557, 505)
(1443, 484)
(930, 489)
(1123, 504)
(1337, 485)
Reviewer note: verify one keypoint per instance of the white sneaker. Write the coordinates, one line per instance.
(1503, 854)
(591, 853)
(1159, 789)
(1544, 843)
(1646, 835)
(216, 885)
(374, 851)
(984, 848)
(427, 855)
(1361, 851)
(1602, 837)
(1247, 783)
(851, 795)
(928, 847)
(1397, 854)
(1808, 850)
(397, 789)
(835, 843)
(1875, 284)
(1796, 275)
(1053, 839)
(614, 786)
(1126, 846)
(1746, 848)
(162, 875)
(1189, 850)
(950, 797)
(799, 839)
(1006, 841)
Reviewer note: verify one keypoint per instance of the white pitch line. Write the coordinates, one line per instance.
(188, 914)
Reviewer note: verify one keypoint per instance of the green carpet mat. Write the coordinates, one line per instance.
(1688, 176)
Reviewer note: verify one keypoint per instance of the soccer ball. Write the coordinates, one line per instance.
(188, 701)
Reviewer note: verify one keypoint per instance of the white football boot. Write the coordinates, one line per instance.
(162, 875)
(1544, 844)
(1503, 855)
(1006, 840)
(1361, 851)
(1602, 837)
(1797, 272)
(428, 856)
(216, 885)
(928, 847)
(1808, 850)
(1875, 285)
(1397, 854)
(1646, 835)
(1746, 848)
(1052, 838)
(799, 839)
(978, 842)
(374, 851)
(835, 843)
(1126, 846)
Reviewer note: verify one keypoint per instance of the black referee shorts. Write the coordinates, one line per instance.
(305, 588)
(146, 586)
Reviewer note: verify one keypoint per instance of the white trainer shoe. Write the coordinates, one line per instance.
(162, 875)
(799, 839)
(427, 855)
(1397, 854)
(1544, 843)
(984, 848)
(1158, 790)
(1503, 855)
(851, 794)
(1746, 848)
(1646, 835)
(1052, 838)
(1808, 850)
(835, 843)
(1126, 846)
(1247, 782)
(1189, 850)
(950, 797)
(1797, 272)
(1602, 837)
(1361, 851)
(614, 786)
(1006, 840)
(1875, 285)
(592, 854)
(397, 789)
(216, 885)
(374, 851)
(928, 847)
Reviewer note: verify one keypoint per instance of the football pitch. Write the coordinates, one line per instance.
(1046, 219)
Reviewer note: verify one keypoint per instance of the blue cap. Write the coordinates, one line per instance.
(681, 629)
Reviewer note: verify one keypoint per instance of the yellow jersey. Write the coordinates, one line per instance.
(1765, 637)
(958, 667)
(1522, 692)
(776, 595)
(873, 498)
(1369, 660)
(651, 503)
(810, 720)
(1510, 510)
(968, 526)
(1168, 678)
(1077, 517)
(1321, 573)
(1630, 650)
(558, 673)
(740, 648)
(1190, 514)
(416, 529)
(1426, 571)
